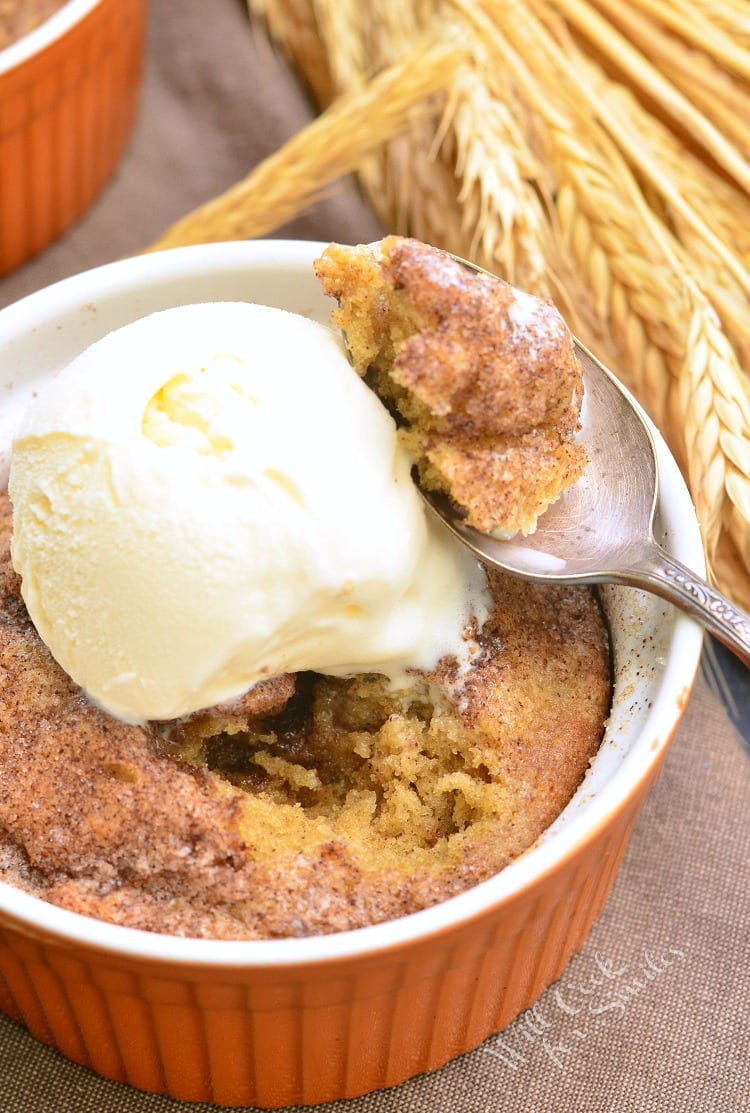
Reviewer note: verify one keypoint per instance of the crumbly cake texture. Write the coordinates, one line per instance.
(18, 17)
(312, 804)
(482, 377)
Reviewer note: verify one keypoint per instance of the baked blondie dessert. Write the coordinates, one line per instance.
(311, 805)
(318, 803)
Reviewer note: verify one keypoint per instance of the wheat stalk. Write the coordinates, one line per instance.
(717, 425)
(411, 186)
(688, 22)
(628, 279)
(641, 139)
(709, 88)
(293, 25)
(682, 189)
(343, 26)
(592, 176)
(718, 251)
(646, 77)
(731, 16)
(707, 193)
(331, 146)
(354, 45)
(542, 159)
(414, 190)
(730, 571)
(712, 394)
(503, 219)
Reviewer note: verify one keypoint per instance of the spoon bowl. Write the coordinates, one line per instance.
(601, 529)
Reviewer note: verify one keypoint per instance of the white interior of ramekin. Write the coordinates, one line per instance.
(39, 39)
(656, 648)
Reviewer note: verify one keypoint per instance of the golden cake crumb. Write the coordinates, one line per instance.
(483, 378)
(311, 805)
(19, 17)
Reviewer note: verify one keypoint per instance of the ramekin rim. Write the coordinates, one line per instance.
(39, 917)
(51, 29)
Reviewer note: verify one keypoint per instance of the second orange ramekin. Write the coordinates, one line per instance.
(68, 95)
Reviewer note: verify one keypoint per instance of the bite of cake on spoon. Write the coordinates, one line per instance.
(482, 378)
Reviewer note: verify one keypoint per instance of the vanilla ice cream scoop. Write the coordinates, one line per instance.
(210, 496)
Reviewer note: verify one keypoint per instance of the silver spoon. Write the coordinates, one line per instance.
(601, 529)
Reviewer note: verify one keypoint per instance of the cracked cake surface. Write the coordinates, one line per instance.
(312, 804)
(315, 803)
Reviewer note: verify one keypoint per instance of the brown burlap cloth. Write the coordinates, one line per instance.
(675, 936)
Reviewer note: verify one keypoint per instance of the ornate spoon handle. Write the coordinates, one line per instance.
(662, 574)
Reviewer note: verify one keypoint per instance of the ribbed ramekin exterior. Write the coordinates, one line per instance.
(305, 1034)
(65, 115)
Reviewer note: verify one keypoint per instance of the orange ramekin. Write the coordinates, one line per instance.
(294, 1021)
(68, 94)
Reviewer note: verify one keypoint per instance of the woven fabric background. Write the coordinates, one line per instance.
(672, 1032)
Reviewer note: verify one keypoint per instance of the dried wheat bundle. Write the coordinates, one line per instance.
(593, 150)
(330, 147)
